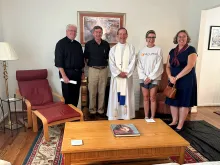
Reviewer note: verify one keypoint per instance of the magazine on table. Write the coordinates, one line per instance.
(124, 130)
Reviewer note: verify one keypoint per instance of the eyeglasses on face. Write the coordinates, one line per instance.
(73, 31)
(151, 37)
(181, 37)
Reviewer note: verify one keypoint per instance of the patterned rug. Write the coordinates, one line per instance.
(48, 153)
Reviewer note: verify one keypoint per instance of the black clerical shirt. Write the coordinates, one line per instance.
(69, 54)
(97, 54)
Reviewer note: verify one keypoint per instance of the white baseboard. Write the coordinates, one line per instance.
(208, 104)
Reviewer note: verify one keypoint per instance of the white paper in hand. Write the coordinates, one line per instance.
(76, 142)
(12, 99)
(150, 120)
(71, 81)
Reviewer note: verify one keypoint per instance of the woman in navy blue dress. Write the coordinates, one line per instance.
(181, 72)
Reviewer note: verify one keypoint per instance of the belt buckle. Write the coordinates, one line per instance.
(102, 67)
(98, 67)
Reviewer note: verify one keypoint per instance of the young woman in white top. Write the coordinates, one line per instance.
(150, 69)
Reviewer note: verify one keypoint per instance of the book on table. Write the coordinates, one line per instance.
(120, 130)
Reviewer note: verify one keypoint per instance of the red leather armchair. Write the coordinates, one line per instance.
(162, 108)
(34, 87)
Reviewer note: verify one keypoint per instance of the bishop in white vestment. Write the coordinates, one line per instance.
(122, 60)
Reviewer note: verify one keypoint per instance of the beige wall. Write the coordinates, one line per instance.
(1, 34)
(1, 39)
(2, 86)
(34, 27)
(193, 15)
(208, 61)
(1, 69)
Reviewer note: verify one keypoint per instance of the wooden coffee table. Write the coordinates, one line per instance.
(157, 140)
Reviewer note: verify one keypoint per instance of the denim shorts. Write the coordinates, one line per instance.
(148, 86)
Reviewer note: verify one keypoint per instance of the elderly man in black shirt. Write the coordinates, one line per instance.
(96, 54)
(69, 59)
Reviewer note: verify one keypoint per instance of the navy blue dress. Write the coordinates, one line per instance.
(186, 86)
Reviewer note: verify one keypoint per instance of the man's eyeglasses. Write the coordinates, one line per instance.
(73, 31)
(151, 37)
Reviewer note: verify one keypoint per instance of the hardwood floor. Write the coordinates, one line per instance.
(206, 113)
(14, 149)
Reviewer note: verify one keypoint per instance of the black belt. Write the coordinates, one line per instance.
(98, 67)
(77, 70)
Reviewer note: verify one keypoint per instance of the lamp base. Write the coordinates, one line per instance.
(13, 126)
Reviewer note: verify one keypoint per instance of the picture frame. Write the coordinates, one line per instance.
(110, 23)
(214, 38)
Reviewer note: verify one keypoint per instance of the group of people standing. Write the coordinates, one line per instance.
(122, 61)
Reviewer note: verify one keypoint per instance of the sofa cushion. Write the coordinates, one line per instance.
(162, 108)
(164, 80)
(160, 97)
(34, 86)
(58, 113)
(48, 105)
(29, 75)
(38, 92)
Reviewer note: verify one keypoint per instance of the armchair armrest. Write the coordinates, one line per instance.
(77, 110)
(29, 111)
(18, 94)
(27, 102)
(58, 96)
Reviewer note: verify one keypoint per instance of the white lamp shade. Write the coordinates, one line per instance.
(7, 52)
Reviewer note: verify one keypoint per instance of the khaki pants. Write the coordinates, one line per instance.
(97, 84)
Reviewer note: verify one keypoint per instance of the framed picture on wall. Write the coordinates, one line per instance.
(110, 22)
(214, 38)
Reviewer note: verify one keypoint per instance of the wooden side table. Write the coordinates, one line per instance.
(12, 125)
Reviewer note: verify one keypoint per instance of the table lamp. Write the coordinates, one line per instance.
(7, 53)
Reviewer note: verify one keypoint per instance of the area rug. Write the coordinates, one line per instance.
(204, 137)
(48, 153)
